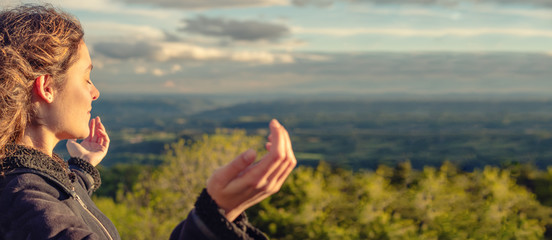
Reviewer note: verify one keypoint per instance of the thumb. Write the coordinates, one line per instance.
(239, 164)
(72, 147)
(70, 142)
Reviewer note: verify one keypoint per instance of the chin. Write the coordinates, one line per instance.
(79, 134)
(84, 134)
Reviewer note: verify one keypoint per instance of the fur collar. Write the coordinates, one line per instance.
(18, 157)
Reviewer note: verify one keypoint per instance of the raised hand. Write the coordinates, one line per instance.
(94, 147)
(240, 185)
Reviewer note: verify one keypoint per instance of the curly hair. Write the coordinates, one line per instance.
(35, 40)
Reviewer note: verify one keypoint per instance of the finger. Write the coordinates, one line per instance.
(292, 161)
(289, 149)
(289, 158)
(270, 162)
(98, 134)
(70, 143)
(282, 178)
(101, 126)
(234, 168)
(104, 131)
(96, 131)
(100, 138)
(103, 138)
(92, 130)
(89, 131)
(73, 148)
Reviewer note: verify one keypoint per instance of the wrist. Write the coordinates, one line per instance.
(231, 215)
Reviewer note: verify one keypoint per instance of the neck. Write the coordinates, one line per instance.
(40, 139)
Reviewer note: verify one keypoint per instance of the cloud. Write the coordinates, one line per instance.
(182, 51)
(317, 3)
(140, 70)
(186, 4)
(168, 84)
(99, 6)
(158, 72)
(417, 73)
(176, 68)
(448, 3)
(532, 13)
(241, 30)
(176, 51)
(103, 30)
(411, 12)
(125, 50)
(407, 32)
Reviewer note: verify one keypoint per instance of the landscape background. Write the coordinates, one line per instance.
(411, 119)
(349, 132)
(380, 167)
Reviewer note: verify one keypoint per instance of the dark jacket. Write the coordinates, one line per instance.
(41, 198)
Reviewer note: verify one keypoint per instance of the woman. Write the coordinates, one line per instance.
(46, 96)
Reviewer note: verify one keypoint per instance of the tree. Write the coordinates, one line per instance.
(163, 197)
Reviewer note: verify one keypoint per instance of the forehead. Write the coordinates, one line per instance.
(83, 61)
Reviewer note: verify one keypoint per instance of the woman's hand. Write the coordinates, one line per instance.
(94, 147)
(240, 185)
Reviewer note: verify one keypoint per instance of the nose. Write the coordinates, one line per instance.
(95, 93)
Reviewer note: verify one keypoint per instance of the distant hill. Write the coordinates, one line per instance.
(350, 133)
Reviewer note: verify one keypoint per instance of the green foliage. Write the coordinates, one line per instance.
(119, 179)
(161, 198)
(441, 204)
(333, 203)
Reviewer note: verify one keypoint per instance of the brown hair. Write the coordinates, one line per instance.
(35, 40)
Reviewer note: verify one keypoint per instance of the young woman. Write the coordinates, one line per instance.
(46, 96)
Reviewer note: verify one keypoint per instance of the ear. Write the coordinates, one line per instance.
(44, 88)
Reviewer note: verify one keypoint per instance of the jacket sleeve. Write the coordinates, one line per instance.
(87, 175)
(31, 209)
(206, 222)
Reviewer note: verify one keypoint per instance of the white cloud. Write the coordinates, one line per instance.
(261, 57)
(187, 51)
(176, 68)
(158, 72)
(413, 12)
(444, 3)
(312, 57)
(211, 4)
(113, 30)
(169, 84)
(140, 70)
(158, 51)
(527, 13)
(177, 51)
(406, 32)
(435, 72)
(112, 7)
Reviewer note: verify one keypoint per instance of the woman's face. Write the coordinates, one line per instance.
(73, 102)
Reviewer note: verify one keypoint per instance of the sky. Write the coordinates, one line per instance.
(317, 47)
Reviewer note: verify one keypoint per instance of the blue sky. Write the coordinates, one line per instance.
(275, 47)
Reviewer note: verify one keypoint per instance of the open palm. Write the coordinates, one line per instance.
(94, 147)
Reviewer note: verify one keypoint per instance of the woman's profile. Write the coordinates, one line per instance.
(46, 96)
